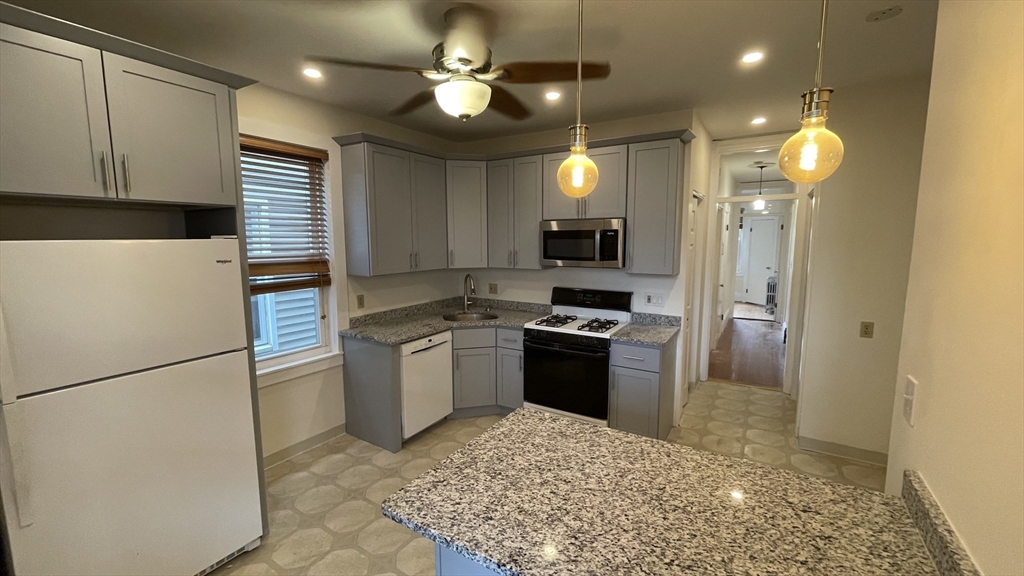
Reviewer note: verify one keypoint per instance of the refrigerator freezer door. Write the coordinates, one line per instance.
(153, 473)
(83, 310)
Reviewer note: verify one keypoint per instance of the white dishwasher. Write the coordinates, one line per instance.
(426, 382)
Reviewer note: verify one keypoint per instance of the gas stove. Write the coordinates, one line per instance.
(601, 323)
(584, 314)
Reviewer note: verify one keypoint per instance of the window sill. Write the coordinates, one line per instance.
(291, 370)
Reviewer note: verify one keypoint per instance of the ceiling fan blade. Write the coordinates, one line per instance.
(504, 102)
(370, 65)
(414, 102)
(535, 72)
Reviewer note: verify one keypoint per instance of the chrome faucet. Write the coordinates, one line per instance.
(468, 287)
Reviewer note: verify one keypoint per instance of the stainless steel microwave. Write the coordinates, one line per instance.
(587, 243)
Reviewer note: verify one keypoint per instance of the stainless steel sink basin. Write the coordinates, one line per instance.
(464, 316)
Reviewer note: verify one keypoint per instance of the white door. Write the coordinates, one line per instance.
(763, 257)
(83, 310)
(153, 473)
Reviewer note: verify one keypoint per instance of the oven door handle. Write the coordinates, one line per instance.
(563, 348)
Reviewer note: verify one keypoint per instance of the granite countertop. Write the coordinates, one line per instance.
(413, 327)
(645, 334)
(539, 494)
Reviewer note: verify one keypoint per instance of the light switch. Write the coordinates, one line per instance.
(910, 390)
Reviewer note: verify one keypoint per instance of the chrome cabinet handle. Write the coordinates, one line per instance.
(520, 362)
(410, 261)
(515, 258)
(127, 175)
(585, 207)
(633, 358)
(451, 256)
(509, 257)
(456, 361)
(417, 260)
(108, 177)
(512, 340)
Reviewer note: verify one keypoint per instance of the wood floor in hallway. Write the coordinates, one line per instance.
(750, 352)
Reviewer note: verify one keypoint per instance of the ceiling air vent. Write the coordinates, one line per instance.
(885, 14)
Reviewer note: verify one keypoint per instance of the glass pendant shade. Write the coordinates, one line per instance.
(577, 176)
(813, 153)
(463, 97)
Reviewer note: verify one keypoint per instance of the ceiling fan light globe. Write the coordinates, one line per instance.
(463, 97)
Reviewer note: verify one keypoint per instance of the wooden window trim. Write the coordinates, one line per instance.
(247, 141)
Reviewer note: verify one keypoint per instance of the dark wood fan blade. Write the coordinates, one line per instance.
(504, 102)
(535, 72)
(414, 102)
(360, 64)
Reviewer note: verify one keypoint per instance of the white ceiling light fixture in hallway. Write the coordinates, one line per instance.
(577, 176)
(759, 203)
(815, 152)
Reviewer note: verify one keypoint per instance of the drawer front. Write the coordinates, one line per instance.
(509, 338)
(473, 338)
(636, 357)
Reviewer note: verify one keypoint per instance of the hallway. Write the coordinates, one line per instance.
(750, 352)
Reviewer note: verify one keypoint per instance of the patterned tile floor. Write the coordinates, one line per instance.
(760, 424)
(325, 514)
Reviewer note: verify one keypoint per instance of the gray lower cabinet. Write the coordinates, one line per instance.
(172, 135)
(654, 217)
(641, 388)
(54, 136)
(510, 378)
(474, 377)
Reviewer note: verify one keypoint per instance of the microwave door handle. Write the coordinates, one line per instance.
(561, 348)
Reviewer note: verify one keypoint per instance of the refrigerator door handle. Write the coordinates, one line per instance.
(21, 487)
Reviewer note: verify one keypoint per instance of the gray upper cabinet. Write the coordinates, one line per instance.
(500, 214)
(172, 134)
(633, 401)
(467, 214)
(654, 220)
(474, 377)
(390, 196)
(54, 136)
(528, 183)
(510, 378)
(608, 200)
(430, 223)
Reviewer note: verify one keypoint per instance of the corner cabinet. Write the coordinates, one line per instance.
(76, 121)
(467, 214)
(394, 210)
(654, 217)
(514, 212)
(608, 200)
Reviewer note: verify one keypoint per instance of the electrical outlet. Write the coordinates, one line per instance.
(360, 301)
(910, 390)
(492, 288)
(654, 299)
(867, 329)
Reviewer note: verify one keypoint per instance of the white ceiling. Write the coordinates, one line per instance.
(665, 54)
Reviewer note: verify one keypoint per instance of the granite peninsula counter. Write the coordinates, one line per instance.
(539, 494)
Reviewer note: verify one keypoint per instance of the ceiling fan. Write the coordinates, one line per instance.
(463, 62)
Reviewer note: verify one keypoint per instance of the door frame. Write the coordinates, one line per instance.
(798, 289)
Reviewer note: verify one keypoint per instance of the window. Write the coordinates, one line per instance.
(284, 192)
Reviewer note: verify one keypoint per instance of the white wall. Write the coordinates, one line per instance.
(860, 259)
(963, 335)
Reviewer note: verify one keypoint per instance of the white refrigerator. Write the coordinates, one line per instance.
(127, 441)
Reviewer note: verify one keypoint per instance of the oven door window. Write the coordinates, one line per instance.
(570, 245)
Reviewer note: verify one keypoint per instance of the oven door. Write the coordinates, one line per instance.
(567, 378)
(587, 243)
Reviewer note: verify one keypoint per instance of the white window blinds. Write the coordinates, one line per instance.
(285, 215)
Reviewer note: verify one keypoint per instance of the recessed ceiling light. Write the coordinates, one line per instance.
(312, 73)
(758, 120)
(764, 212)
(751, 57)
(736, 495)
(761, 150)
(553, 95)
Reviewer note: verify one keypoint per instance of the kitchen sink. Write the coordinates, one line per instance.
(464, 316)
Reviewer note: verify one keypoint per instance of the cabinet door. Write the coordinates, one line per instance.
(510, 378)
(500, 214)
(527, 184)
(430, 218)
(633, 401)
(653, 224)
(171, 134)
(475, 381)
(558, 206)
(54, 137)
(390, 199)
(608, 200)
(467, 214)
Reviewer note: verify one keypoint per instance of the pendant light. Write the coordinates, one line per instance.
(813, 153)
(577, 176)
(759, 203)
